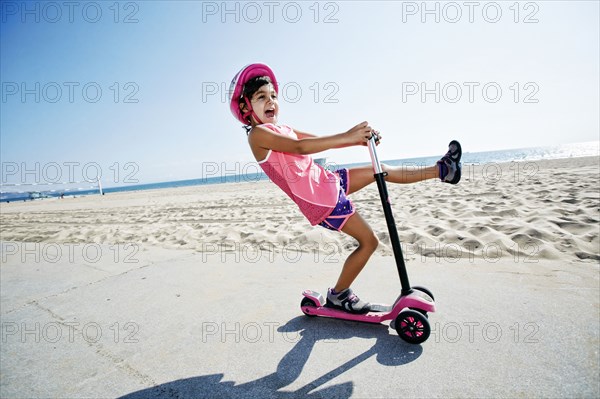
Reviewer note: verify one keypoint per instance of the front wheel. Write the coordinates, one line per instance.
(412, 326)
(423, 289)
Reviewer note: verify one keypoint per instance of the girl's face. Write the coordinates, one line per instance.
(265, 104)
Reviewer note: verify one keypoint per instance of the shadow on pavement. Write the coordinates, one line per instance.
(389, 350)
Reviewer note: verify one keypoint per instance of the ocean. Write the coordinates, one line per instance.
(9, 192)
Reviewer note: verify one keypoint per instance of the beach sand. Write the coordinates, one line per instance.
(196, 291)
(538, 210)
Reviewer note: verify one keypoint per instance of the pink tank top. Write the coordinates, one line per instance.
(314, 189)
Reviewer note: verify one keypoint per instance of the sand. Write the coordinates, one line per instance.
(196, 291)
(533, 210)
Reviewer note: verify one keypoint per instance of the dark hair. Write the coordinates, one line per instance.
(251, 87)
(254, 84)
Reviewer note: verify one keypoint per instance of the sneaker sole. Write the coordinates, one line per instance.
(458, 153)
(329, 304)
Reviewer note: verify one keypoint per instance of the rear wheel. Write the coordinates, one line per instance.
(412, 326)
(307, 302)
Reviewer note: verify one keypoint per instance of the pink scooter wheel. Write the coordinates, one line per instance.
(412, 326)
(308, 302)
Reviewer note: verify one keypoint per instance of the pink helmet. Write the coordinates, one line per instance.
(236, 89)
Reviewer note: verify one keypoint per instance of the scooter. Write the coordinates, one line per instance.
(409, 313)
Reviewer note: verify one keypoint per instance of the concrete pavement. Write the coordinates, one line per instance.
(143, 322)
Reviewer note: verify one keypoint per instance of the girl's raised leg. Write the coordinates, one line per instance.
(363, 176)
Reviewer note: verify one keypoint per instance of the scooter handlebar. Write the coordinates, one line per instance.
(373, 153)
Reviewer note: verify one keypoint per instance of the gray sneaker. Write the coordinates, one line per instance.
(449, 166)
(346, 300)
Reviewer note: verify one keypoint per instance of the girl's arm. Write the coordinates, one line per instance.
(302, 135)
(261, 137)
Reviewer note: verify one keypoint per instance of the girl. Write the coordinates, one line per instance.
(284, 155)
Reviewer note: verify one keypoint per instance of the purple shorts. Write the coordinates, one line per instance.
(344, 208)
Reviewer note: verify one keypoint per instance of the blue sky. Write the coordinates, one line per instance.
(139, 87)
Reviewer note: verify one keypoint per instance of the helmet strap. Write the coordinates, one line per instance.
(250, 111)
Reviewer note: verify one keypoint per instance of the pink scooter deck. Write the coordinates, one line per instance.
(415, 300)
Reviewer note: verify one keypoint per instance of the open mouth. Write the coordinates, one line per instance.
(270, 113)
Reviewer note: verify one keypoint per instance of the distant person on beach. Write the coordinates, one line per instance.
(284, 155)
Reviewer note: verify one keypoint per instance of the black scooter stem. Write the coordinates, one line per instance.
(394, 238)
(389, 216)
